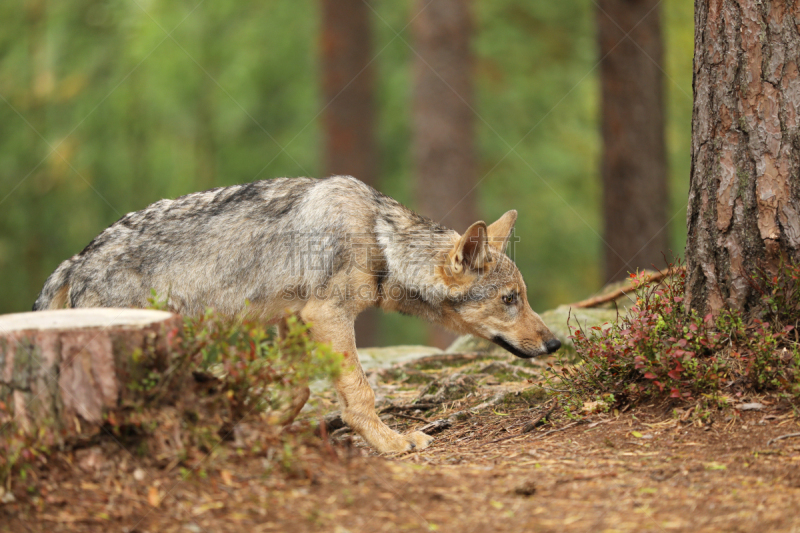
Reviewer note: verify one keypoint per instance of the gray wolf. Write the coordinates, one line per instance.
(321, 249)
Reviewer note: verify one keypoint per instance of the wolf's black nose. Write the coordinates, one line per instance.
(552, 345)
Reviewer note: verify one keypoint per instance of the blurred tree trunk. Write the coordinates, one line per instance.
(443, 129)
(634, 167)
(744, 198)
(349, 116)
(41, 83)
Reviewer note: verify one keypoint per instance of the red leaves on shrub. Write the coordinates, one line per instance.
(660, 344)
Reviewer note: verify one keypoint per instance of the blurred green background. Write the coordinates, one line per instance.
(107, 106)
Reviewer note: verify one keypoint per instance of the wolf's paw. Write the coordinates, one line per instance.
(418, 440)
(406, 443)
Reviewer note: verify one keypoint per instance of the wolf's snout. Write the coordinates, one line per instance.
(552, 345)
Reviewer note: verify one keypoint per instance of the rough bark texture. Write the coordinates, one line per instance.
(634, 168)
(69, 368)
(443, 121)
(744, 198)
(349, 116)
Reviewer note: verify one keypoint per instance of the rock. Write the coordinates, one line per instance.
(470, 344)
(6, 496)
(447, 389)
(503, 371)
(385, 357)
(754, 406)
(556, 319)
(526, 489)
(90, 459)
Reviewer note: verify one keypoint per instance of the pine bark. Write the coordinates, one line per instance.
(744, 198)
(634, 167)
(443, 119)
(68, 369)
(349, 115)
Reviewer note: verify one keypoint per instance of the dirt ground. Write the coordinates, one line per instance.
(498, 466)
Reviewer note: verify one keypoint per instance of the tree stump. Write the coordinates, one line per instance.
(68, 369)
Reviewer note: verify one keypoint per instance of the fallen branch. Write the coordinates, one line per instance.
(787, 436)
(440, 425)
(417, 418)
(409, 407)
(437, 426)
(530, 426)
(610, 297)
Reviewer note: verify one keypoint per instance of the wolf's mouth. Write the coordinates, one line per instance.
(500, 341)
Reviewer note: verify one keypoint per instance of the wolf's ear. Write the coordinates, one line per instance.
(470, 251)
(499, 232)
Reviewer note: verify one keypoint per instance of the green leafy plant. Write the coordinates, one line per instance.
(256, 370)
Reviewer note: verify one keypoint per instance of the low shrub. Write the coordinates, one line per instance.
(218, 374)
(661, 348)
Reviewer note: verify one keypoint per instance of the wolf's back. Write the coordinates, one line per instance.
(226, 246)
(55, 293)
(263, 242)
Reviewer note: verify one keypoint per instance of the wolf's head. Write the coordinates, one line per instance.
(487, 296)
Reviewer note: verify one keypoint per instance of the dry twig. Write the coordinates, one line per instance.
(417, 418)
(530, 426)
(787, 436)
(610, 297)
(409, 407)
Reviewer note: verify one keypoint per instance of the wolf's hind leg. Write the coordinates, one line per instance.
(356, 397)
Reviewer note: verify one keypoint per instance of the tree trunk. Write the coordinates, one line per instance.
(349, 117)
(744, 197)
(634, 169)
(443, 121)
(70, 368)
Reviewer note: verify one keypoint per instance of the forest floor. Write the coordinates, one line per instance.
(496, 467)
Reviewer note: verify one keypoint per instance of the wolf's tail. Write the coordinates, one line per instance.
(55, 293)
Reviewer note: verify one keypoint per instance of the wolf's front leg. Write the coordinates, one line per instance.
(356, 397)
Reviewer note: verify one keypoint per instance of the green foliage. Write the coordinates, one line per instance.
(108, 106)
(258, 372)
(660, 347)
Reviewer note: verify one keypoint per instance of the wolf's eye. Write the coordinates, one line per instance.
(510, 299)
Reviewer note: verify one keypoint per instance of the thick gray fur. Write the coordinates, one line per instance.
(257, 242)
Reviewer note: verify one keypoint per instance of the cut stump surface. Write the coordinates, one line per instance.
(69, 368)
